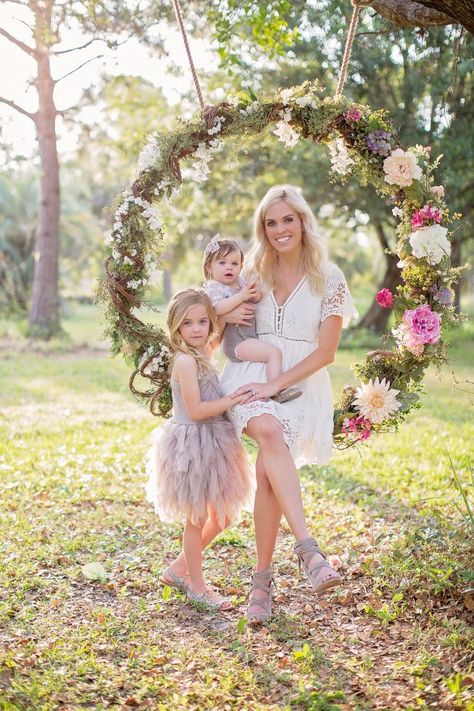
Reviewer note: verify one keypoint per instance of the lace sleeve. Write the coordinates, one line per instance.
(215, 291)
(337, 299)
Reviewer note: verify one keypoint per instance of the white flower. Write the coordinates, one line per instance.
(376, 400)
(250, 109)
(284, 131)
(438, 190)
(127, 260)
(340, 159)
(401, 168)
(430, 242)
(149, 154)
(396, 212)
(233, 101)
(217, 127)
(303, 101)
(116, 255)
(286, 95)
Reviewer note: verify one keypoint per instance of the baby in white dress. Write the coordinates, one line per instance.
(223, 261)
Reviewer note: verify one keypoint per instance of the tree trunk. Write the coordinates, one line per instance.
(167, 286)
(377, 317)
(44, 311)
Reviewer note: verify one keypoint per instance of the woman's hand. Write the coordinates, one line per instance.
(255, 391)
(242, 315)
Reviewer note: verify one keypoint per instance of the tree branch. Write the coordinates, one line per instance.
(75, 49)
(18, 108)
(98, 56)
(410, 13)
(21, 45)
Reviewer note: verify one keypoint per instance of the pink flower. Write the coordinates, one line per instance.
(417, 219)
(426, 213)
(357, 425)
(385, 298)
(419, 327)
(353, 115)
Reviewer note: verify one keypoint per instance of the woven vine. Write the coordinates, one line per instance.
(363, 146)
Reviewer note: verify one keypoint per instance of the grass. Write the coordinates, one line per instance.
(398, 635)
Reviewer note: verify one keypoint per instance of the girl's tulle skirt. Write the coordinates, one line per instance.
(192, 466)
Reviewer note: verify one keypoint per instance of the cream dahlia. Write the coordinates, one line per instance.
(376, 400)
(401, 168)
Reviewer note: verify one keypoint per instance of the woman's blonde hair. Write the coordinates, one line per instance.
(263, 259)
(217, 249)
(178, 307)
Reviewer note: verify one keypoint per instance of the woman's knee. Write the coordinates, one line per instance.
(265, 429)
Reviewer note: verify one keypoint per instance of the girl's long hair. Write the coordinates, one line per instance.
(178, 307)
(263, 259)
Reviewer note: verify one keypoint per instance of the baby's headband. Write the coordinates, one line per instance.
(212, 246)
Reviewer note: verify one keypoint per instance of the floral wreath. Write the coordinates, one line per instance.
(362, 143)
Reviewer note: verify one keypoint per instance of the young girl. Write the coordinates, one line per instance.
(223, 261)
(197, 466)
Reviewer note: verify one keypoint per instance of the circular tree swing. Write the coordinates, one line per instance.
(363, 145)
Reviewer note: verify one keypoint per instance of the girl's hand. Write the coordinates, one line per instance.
(255, 391)
(242, 315)
(248, 292)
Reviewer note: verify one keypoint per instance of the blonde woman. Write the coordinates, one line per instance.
(305, 302)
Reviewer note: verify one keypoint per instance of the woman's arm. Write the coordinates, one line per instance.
(329, 337)
(185, 371)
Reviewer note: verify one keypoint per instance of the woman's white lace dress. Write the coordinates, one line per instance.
(294, 327)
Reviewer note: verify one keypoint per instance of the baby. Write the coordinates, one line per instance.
(223, 261)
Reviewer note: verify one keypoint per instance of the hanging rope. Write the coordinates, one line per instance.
(179, 17)
(357, 5)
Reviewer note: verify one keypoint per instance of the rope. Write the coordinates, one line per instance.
(357, 5)
(179, 17)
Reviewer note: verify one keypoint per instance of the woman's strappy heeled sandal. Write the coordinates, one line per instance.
(261, 580)
(321, 576)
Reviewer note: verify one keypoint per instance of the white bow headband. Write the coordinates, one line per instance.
(212, 246)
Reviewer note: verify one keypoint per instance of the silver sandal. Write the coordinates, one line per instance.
(209, 600)
(261, 580)
(174, 581)
(321, 576)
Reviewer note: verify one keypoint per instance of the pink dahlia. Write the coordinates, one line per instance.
(417, 219)
(419, 327)
(353, 115)
(385, 298)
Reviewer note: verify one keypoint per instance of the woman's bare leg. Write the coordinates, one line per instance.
(280, 471)
(266, 516)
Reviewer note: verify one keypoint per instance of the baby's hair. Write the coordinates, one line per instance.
(178, 307)
(226, 247)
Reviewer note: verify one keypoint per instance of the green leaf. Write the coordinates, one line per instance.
(94, 571)
(166, 592)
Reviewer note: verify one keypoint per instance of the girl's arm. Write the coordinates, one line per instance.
(224, 306)
(185, 371)
(329, 336)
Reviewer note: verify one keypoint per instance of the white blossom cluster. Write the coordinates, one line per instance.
(284, 131)
(217, 126)
(341, 161)
(203, 155)
(288, 98)
(250, 109)
(158, 363)
(149, 155)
